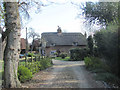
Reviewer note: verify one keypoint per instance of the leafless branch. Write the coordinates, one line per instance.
(20, 4)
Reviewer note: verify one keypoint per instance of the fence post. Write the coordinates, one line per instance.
(39, 57)
(35, 58)
(31, 58)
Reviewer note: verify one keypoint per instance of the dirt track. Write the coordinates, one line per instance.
(64, 74)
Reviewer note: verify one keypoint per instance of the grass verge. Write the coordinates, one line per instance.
(65, 59)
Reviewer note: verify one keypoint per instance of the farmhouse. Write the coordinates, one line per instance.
(63, 42)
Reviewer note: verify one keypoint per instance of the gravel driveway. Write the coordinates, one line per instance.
(64, 74)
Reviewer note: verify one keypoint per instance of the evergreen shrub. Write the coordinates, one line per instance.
(63, 55)
(39, 65)
(78, 54)
(95, 64)
(30, 54)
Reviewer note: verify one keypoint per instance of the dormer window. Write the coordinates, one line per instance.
(75, 43)
(52, 44)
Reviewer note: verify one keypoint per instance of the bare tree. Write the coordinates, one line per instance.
(32, 34)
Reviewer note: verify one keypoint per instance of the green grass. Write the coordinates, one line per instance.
(65, 59)
(2, 63)
(22, 63)
(1, 60)
(24, 58)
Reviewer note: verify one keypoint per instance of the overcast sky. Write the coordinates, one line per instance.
(63, 14)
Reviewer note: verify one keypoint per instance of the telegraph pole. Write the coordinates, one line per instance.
(26, 50)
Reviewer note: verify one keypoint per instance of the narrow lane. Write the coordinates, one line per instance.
(64, 74)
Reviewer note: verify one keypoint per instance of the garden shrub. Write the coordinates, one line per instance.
(2, 75)
(26, 70)
(90, 44)
(88, 62)
(95, 52)
(45, 63)
(63, 55)
(33, 67)
(30, 54)
(58, 53)
(98, 70)
(24, 74)
(95, 64)
(39, 65)
(78, 53)
(107, 43)
(108, 77)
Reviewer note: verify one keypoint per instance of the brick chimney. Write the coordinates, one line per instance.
(59, 31)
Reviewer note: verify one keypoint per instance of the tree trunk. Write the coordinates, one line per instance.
(1, 53)
(12, 49)
(32, 45)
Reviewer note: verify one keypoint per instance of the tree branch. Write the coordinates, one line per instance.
(20, 4)
(5, 34)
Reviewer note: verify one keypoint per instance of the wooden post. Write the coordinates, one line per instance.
(26, 50)
(31, 58)
(39, 53)
(35, 58)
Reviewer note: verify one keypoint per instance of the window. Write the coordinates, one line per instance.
(75, 43)
(53, 44)
(53, 52)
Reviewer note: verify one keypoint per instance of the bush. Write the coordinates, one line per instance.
(33, 67)
(24, 74)
(88, 62)
(95, 64)
(108, 77)
(39, 65)
(90, 44)
(45, 63)
(58, 53)
(63, 55)
(95, 52)
(2, 75)
(30, 54)
(107, 43)
(78, 53)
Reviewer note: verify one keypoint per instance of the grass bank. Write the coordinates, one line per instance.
(102, 70)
